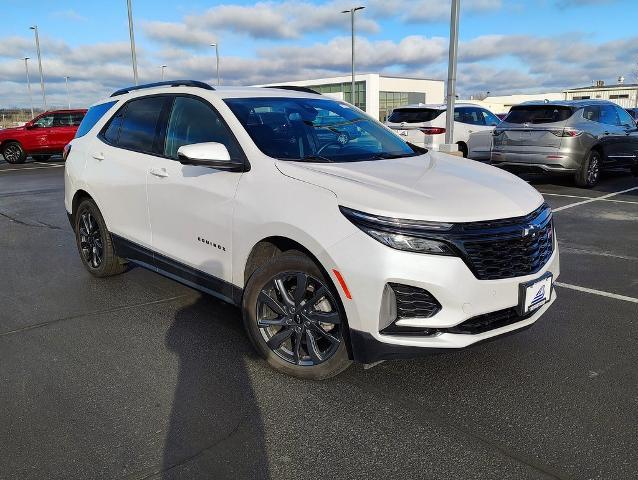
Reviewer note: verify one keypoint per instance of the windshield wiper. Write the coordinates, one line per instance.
(310, 158)
(387, 156)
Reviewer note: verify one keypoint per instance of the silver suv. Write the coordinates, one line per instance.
(575, 137)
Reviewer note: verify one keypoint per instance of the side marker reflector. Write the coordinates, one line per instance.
(342, 282)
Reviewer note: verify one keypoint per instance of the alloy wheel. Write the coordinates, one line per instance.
(298, 319)
(593, 170)
(12, 153)
(91, 242)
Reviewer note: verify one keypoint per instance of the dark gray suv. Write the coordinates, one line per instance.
(579, 137)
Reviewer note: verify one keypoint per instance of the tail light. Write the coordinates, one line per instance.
(66, 151)
(566, 132)
(432, 130)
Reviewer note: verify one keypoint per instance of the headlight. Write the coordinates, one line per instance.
(407, 235)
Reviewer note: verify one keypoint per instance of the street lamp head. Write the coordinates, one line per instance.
(33, 27)
(162, 66)
(26, 58)
(213, 44)
(358, 8)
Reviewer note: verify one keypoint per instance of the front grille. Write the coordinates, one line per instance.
(486, 322)
(413, 302)
(508, 248)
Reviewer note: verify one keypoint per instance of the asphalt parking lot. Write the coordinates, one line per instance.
(137, 377)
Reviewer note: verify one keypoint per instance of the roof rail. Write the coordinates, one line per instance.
(169, 83)
(294, 88)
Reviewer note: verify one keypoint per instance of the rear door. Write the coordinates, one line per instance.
(479, 132)
(62, 131)
(614, 138)
(118, 164)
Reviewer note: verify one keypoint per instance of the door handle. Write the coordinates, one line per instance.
(98, 156)
(159, 172)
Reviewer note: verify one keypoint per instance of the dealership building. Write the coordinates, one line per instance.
(377, 94)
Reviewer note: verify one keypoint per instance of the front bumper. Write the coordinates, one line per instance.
(367, 266)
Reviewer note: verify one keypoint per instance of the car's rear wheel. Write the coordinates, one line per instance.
(589, 173)
(94, 241)
(14, 153)
(293, 317)
(463, 149)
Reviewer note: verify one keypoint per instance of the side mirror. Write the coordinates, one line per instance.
(209, 154)
(30, 126)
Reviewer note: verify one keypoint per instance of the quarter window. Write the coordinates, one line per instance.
(193, 121)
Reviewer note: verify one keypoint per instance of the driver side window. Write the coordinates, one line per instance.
(44, 122)
(193, 121)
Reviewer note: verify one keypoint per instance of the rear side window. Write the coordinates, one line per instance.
(413, 115)
(469, 115)
(93, 116)
(539, 114)
(193, 121)
(608, 115)
(139, 124)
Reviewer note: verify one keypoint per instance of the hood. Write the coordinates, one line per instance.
(11, 130)
(433, 186)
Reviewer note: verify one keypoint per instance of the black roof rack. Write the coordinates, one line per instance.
(169, 83)
(294, 88)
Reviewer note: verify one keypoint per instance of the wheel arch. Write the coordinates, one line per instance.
(272, 246)
(78, 197)
(12, 140)
(463, 148)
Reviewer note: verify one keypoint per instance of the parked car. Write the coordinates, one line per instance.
(42, 137)
(424, 125)
(579, 138)
(633, 112)
(356, 249)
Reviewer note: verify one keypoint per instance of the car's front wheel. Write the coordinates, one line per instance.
(94, 241)
(14, 153)
(294, 319)
(589, 173)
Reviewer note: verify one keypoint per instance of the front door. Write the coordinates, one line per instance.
(191, 207)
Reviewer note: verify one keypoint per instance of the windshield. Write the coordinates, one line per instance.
(414, 115)
(315, 130)
(539, 114)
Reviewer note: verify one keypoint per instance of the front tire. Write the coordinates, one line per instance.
(94, 241)
(14, 153)
(294, 319)
(589, 173)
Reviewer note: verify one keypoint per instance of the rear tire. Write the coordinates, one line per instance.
(589, 173)
(14, 153)
(301, 334)
(463, 149)
(94, 241)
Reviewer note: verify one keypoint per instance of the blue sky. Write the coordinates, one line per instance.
(506, 46)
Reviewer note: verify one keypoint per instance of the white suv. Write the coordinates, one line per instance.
(424, 125)
(338, 240)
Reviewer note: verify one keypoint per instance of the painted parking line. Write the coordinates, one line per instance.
(29, 168)
(597, 292)
(590, 200)
(599, 253)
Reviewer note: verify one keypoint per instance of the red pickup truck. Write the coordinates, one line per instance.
(45, 135)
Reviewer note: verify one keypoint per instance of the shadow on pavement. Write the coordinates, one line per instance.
(215, 428)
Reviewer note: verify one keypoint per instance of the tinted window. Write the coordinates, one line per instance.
(625, 118)
(140, 123)
(315, 130)
(469, 115)
(592, 113)
(413, 115)
(112, 131)
(93, 116)
(63, 120)
(193, 121)
(608, 115)
(539, 114)
(76, 118)
(490, 118)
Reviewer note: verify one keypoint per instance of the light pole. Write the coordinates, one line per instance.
(451, 76)
(132, 36)
(162, 67)
(351, 12)
(26, 67)
(68, 97)
(217, 59)
(37, 47)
